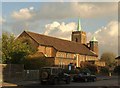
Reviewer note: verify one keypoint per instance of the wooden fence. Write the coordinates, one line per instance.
(31, 75)
(16, 72)
(11, 72)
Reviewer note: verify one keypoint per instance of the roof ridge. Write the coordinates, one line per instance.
(54, 37)
(60, 44)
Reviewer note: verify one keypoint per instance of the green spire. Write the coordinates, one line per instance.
(79, 25)
(94, 39)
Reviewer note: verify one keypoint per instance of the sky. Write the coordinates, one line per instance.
(59, 19)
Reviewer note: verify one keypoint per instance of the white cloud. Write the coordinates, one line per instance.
(108, 37)
(23, 14)
(67, 10)
(109, 31)
(31, 8)
(60, 30)
(2, 20)
(76, 9)
(62, 10)
(87, 10)
(113, 26)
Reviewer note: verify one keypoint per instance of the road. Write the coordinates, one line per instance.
(104, 82)
(110, 82)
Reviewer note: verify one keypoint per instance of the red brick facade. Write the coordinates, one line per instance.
(60, 52)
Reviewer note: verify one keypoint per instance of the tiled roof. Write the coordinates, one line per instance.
(60, 44)
(117, 57)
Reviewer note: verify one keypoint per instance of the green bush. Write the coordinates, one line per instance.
(92, 68)
(74, 71)
(104, 70)
(86, 70)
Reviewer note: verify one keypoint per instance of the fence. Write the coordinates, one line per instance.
(16, 72)
(31, 75)
(11, 72)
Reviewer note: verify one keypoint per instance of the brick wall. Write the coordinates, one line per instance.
(100, 63)
(64, 61)
(48, 51)
(30, 40)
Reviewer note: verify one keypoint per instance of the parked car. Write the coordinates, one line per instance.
(84, 77)
(53, 75)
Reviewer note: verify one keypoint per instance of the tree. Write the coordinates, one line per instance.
(21, 51)
(109, 58)
(14, 50)
(36, 61)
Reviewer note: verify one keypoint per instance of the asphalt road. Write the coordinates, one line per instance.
(113, 82)
(105, 83)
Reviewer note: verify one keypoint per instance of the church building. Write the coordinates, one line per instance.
(61, 52)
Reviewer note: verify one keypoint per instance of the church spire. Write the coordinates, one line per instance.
(79, 25)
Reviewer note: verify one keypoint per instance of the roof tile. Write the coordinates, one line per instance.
(60, 44)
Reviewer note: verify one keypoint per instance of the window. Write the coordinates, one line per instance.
(54, 71)
(61, 54)
(69, 55)
(76, 39)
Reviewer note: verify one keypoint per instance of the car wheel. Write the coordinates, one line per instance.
(42, 82)
(74, 80)
(44, 75)
(55, 81)
(94, 79)
(85, 80)
(68, 81)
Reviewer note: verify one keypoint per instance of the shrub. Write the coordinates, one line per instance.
(117, 69)
(86, 70)
(104, 70)
(74, 71)
(92, 68)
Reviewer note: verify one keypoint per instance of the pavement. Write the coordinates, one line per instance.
(24, 83)
(106, 77)
(18, 83)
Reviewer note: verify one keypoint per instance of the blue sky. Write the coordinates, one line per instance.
(59, 19)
